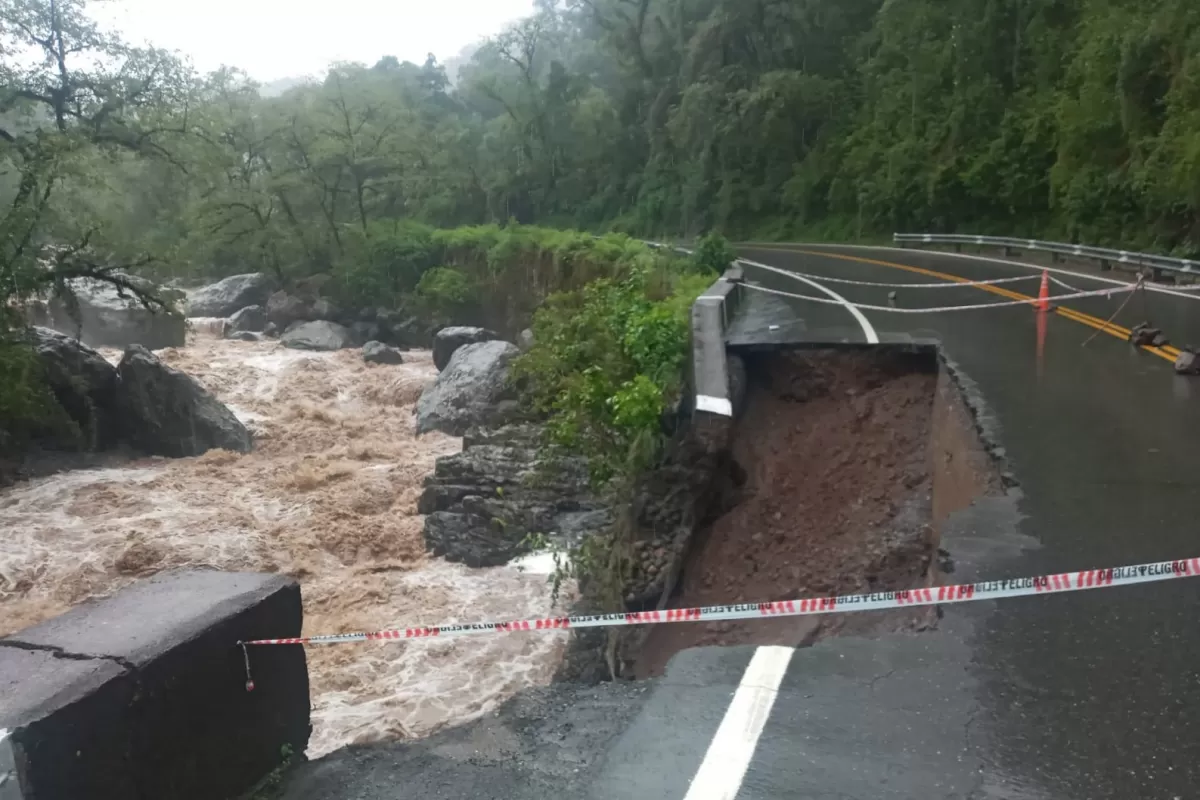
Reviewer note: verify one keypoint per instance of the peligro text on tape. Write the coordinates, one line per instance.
(936, 595)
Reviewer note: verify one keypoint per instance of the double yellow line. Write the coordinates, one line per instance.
(1112, 329)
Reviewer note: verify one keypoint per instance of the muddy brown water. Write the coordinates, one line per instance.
(328, 496)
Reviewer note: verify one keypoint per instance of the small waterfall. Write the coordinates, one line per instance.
(208, 326)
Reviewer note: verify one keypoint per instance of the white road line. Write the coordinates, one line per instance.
(724, 767)
(714, 405)
(867, 329)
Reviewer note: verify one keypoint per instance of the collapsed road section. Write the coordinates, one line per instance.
(845, 462)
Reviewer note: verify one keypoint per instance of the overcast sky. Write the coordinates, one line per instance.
(274, 39)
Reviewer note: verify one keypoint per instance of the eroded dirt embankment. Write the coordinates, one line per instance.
(837, 454)
(328, 496)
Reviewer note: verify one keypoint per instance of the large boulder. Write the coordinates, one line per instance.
(83, 383)
(246, 336)
(167, 412)
(105, 318)
(447, 341)
(481, 504)
(471, 391)
(318, 335)
(364, 332)
(226, 297)
(283, 309)
(470, 539)
(380, 353)
(326, 310)
(400, 330)
(250, 318)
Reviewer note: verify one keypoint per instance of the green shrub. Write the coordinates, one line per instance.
(446, 294)
(608, 360)
(713, 252)
(382, 265)
(607, 363)
(26, 403)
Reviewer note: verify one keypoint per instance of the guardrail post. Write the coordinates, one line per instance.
(1009, 252)
(1105, 265)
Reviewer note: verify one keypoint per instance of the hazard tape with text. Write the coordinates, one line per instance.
(879, 601)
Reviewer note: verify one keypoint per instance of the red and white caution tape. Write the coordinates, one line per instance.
(937, 595)
(942, 309)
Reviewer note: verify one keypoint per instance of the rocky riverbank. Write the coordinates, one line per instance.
(328, 495)
(507, 489)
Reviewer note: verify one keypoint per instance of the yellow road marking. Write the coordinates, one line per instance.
(1112, 329)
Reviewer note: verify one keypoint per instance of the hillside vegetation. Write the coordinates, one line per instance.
(761, 118)
(842, 119)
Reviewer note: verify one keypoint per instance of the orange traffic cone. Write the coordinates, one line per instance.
(1043, 303)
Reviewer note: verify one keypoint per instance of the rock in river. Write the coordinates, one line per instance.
(380, 353)
(482, 503)
(283, 309)
(448, 340)
(226, 297)
(471, 391)
(106, 319)
(250, 318)
(167, 412)
(319, 335)
(83, 383)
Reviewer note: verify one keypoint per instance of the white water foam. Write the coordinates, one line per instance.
(329, 497)
(208, 326)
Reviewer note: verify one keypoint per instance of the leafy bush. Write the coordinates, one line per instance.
(446, 294)
(713, 253)
(383, 264)
(607, 362)
(25, 400)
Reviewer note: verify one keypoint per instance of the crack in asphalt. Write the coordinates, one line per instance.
(59, 652)
(877, 679)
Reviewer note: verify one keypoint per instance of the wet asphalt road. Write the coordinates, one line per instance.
(1083, 696)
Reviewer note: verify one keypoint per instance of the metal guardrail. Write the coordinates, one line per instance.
(1107, 258)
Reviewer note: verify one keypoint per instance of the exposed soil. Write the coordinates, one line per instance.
(836, 453)
(963, 469)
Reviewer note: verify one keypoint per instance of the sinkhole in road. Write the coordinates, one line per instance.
(845, 464)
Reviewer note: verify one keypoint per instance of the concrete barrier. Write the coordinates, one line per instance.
(142, 696)
(710, 370)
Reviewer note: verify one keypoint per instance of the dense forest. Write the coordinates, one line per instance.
(837, 119)
(1076, 119)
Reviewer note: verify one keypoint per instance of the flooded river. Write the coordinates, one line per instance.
(328, 496)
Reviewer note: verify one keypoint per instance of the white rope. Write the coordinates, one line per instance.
(1064, 284)
(1171, 288)
(941, 309)
(942, 285)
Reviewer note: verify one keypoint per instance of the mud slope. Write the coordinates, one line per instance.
(834, 457)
